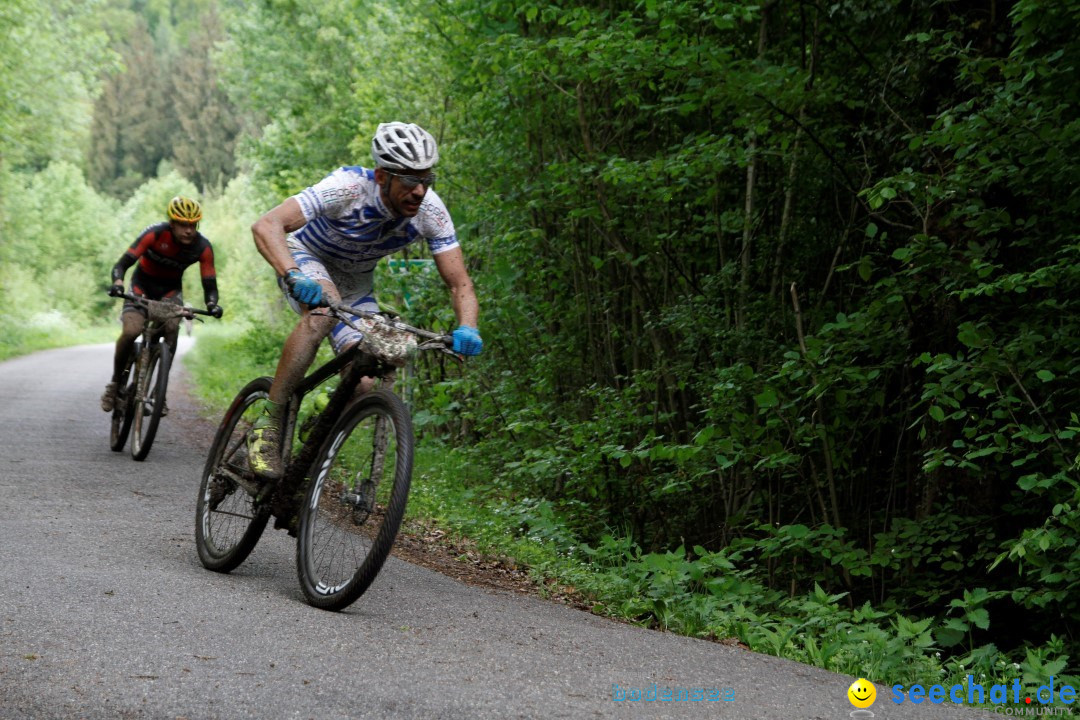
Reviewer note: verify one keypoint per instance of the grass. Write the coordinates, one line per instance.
(710, 595)
(15, 342)
(718, 595)
(707, 594)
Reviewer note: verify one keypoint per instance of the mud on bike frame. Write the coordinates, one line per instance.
(354, 364)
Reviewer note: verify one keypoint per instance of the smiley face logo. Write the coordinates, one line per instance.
(862, 693)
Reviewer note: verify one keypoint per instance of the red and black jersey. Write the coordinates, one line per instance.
(162, 261)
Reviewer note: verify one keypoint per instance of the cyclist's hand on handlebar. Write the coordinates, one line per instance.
(215, 310)
(116, 290)
(467, 340)
(303, 288)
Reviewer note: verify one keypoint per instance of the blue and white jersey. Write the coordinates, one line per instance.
(349, 226)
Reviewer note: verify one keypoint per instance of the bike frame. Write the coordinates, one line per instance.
(153, 332)
(159, 313)
(353, 364)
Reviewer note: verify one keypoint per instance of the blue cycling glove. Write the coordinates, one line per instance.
(467, 340)
(303, 288)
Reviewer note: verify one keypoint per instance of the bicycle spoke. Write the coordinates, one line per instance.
(228, 521)
(154, 366)
(356, 501)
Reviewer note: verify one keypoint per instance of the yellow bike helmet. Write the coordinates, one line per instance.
(185, 210)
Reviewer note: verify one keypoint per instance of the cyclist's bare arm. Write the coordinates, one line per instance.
(451, 266)
(270, 230)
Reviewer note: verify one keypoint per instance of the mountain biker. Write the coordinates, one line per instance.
(324, 243)
(163, 252)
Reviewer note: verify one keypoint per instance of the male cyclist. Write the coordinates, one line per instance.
(324, 243)
(163, 252)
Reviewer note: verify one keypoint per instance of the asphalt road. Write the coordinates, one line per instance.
(105, 611)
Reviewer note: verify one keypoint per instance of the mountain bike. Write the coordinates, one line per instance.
(140, 395)
(344, 489)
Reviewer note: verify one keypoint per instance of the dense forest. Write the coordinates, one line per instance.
(776, 297)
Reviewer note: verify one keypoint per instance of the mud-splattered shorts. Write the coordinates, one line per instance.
(355, 282)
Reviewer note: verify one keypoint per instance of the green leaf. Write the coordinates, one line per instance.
(969, 335)
(766, 398)
(948, 638)
(980, 617)
(797, 531)
(864, 268)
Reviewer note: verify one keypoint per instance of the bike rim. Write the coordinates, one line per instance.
(226, 521)
(350, 518)
(144, 403)
(121, 414)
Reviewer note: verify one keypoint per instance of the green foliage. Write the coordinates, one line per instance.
(208, 124)
(133, 123)
(51, 276)
(763, 292)
(320, 76)
(784, 293)
(164, 104)
(250, 354)
(246, 283)
(46, 80)
(718, 594)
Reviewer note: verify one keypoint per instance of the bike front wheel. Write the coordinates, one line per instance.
(228, 519)
(121, 414)
(149, 399)
(355, 500)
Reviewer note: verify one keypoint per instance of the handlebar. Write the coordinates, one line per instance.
(182, 311)
(344, 312)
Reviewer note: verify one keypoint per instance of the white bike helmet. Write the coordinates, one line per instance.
(401, 146)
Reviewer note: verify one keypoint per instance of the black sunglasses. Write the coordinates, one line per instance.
(411, 181)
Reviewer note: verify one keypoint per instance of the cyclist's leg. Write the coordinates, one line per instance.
(133, 321)
(264, 441)
(303, 342)
(171, 331)
(300, 347)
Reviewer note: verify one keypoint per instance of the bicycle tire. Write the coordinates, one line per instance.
(348, 527)
(121, 414)
(152, 388)
(227, 532)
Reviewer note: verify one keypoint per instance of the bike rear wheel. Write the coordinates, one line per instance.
(121, 414)
(355, 500)
(149, 400)
(228, 520)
